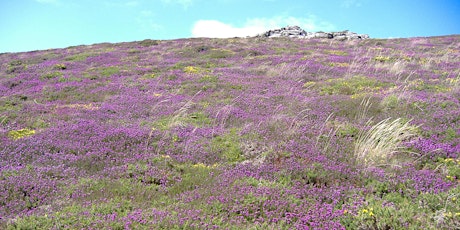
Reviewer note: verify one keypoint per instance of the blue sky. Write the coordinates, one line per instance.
(27, 25)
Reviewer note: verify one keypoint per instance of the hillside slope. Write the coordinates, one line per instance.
(232, 133)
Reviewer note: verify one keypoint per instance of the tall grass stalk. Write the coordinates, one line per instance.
(180, 114)
(363, 108)
(378, 144)
(322, 128)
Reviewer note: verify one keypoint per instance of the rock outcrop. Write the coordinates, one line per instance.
(297, 32)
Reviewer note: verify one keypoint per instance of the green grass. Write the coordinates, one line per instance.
(352, 86)
(51, 75)
(228, 146)
(396, 211)
(79, 57)
(109, 71)
(149, 42)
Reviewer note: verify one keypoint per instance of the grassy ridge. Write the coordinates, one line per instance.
(232, 133)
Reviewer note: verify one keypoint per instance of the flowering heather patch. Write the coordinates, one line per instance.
(237, 133)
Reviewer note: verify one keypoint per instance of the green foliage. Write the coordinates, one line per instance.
(51, 75)
(79, 57)
(60, 67)
(32, 222)
(394, 215)
(15, 63)
(336, 52)
(228, 146)
(70, 94)
(203, 48)
(149, 42)
(78, 216)
(192, 177)
(383, 59)
(352, 86)
(317, 175)
(37, 123)
(218, 53)
(161, 124)
(235, 87)
(11, 104)
(171, 77)
(109, 71)
(422, 85)
(261, 182)
(150, 76)
(446, 104)
(451, 134)
(419, 105)
(66, 93)
(205, 51)
(395, 211)
(123, 188)
(211, 82)
(69, 79)
(197, 119)
(119, 206)
(209, 79)
(347, 130)
(450, 167)
(3, 119)
(390, 102)
(15, 66)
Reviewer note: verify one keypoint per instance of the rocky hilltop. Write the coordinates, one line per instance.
(297, 32)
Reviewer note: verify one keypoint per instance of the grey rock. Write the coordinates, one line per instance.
(341, 37)
(297, 32)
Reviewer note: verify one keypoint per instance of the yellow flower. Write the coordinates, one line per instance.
(448, 160)
(200, 165)
(18, 134)
(191, 69)
(308, 84)
(175, 138)
(369, 212)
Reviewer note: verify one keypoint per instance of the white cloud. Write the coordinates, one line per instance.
(254, 26)
(184, 3)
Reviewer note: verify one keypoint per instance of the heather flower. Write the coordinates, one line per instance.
(231, 133)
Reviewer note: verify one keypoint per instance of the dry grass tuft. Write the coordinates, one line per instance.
(377, 145)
